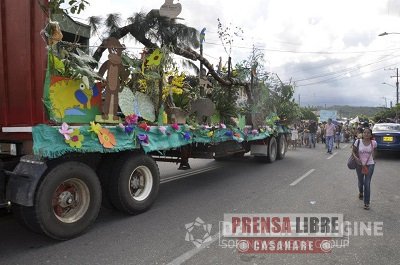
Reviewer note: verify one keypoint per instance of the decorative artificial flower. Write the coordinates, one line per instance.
(155, 58)
(162, 129)
(121, 126)
(254, 132)
(229, 133)
(76, 139)
(64, 130)
(143, 138)
(175, 126)
(165, 118)
(128, 129)
(95, 127)
(106, 138)
(246, 131)
(222, 126)
(144, 126)
(186, 136)
(210, 134)
(131, 119)
(237, 135)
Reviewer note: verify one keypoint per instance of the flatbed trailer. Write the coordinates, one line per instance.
(57, 189)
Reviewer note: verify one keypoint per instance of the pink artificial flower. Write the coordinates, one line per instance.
(222, 126)
(254, 132)
(64, 130)
(131, 119)
(175, 126)
(162, 129)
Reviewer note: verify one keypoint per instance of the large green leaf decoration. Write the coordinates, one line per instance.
(242, 122)
(143, 106)
(160, 116)
(126, 99)
(57, 64)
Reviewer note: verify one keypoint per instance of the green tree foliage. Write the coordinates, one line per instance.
(388, 114)
(63, 6)
(308, 114)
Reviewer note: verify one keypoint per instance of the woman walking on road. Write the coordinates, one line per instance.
(363, 151)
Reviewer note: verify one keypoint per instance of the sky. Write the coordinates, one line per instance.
(329, 49)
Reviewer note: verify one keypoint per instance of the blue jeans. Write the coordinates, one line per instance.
(329, 143)
(364, 182)
(311, 140)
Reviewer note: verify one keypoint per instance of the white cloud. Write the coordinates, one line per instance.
(333, 31)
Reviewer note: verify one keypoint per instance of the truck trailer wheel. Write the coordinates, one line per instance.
(282, 147)
(272, 150)
(135, 183)
(66, 203)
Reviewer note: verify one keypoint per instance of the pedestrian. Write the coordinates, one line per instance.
(363, 151)
(312, 128)
(295, 137)
(337, 135)
(329, 135)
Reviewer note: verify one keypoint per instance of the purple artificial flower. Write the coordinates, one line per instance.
(254, 132)
(143, 138)
(128, 129)
(229, 133)
(187, 136)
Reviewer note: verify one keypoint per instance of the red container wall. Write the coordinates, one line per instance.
(23, 63)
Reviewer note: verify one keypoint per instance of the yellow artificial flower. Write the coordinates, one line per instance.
(95, 127)
(155, 58)
(76, 139)
(210, 134)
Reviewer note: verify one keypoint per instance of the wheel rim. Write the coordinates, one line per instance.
(71, 200)
(140, 183)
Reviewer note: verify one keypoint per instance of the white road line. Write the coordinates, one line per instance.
(188, 255)
(302, 177)
(184, 175)
(332, 155)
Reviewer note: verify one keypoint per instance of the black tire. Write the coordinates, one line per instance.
(238, 155)
(272, 150)
(54, 212)
(104, 171)
(282, 147)
(26, 216)
(135, 183)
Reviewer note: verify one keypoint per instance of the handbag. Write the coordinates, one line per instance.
(351, 162)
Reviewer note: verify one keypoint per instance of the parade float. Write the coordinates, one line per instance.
(103, 131)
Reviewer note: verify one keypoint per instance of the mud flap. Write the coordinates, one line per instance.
(23, 180)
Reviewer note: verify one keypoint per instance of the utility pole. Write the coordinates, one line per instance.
(397, 85)
(299, 100)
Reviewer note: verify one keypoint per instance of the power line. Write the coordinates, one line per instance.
(347, 69)
(312, 52)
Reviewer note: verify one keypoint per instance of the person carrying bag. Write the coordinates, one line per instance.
(363, 153)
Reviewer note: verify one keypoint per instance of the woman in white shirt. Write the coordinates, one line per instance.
(295, 136)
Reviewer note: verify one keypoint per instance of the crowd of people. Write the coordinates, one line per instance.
(307, 133)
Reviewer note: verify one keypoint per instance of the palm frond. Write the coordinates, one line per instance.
(113, 21)
(94, 22)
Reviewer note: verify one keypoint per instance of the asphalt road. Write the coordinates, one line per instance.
(306, 181)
